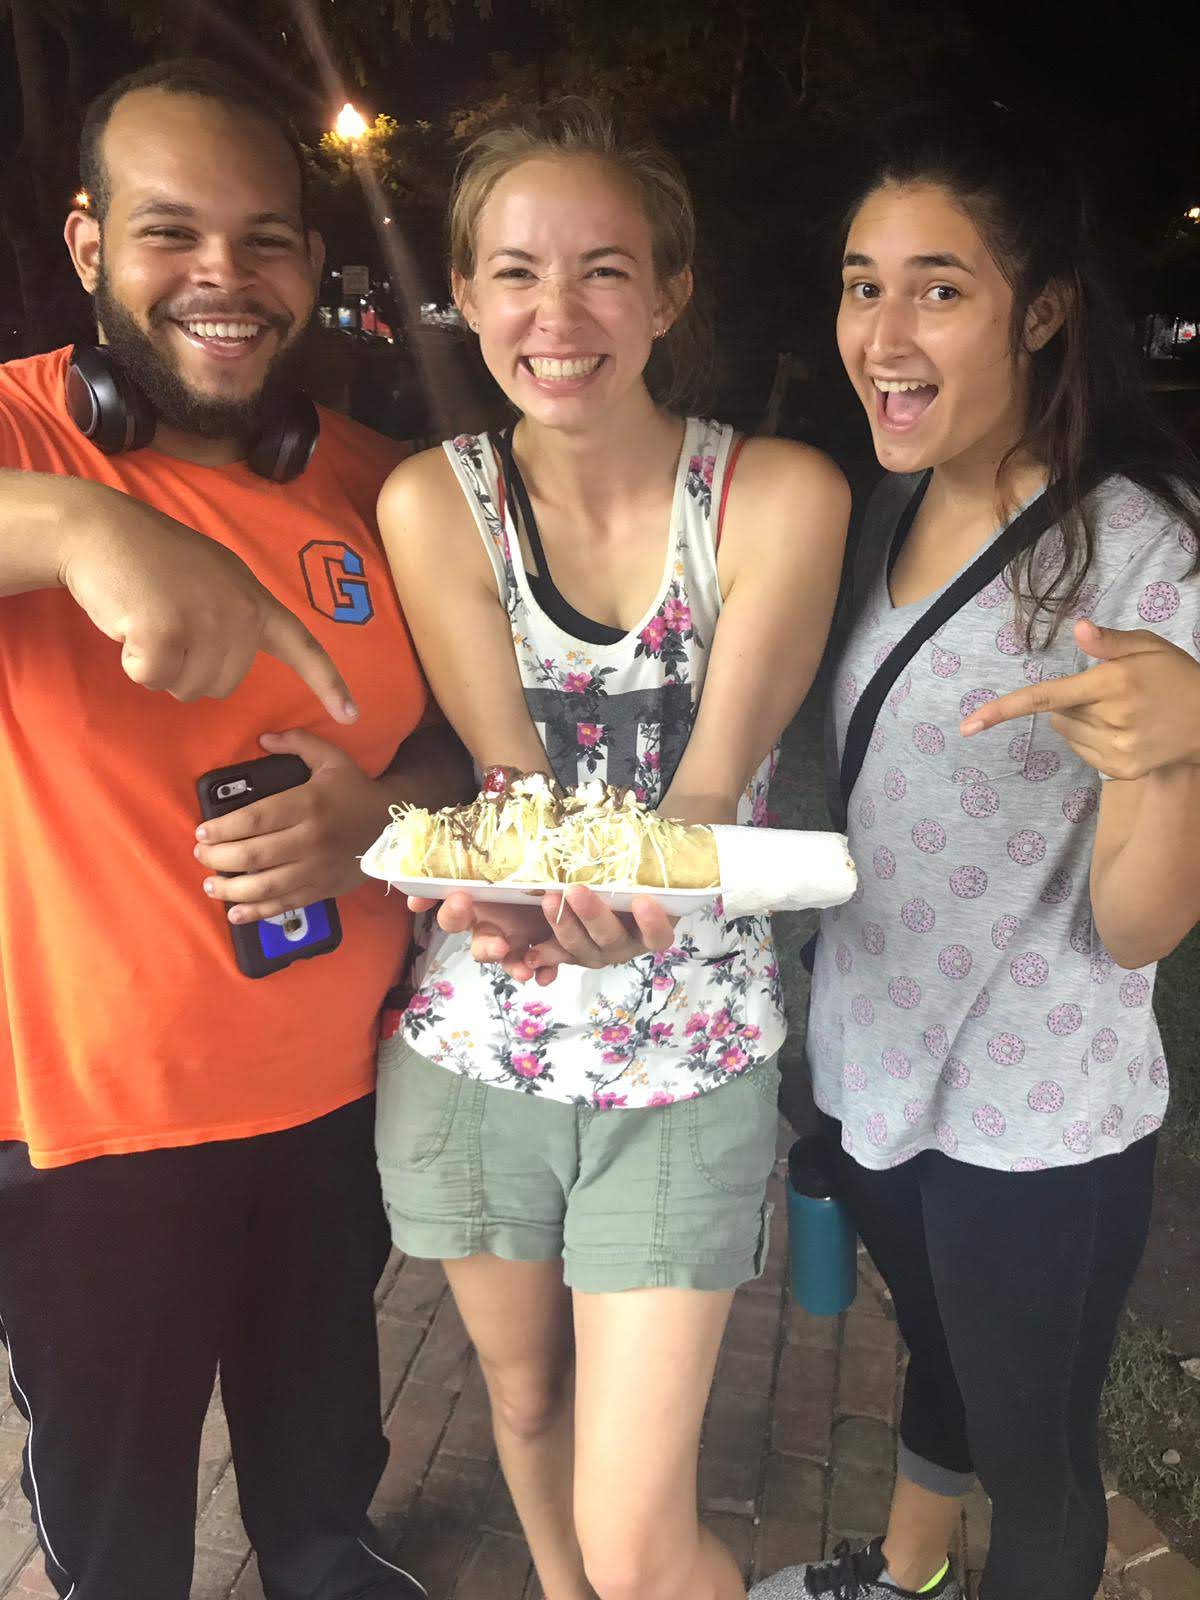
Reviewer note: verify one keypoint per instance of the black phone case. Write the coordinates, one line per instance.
(267, 775)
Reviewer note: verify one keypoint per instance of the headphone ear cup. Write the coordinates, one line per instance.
(105, 405)
(284, 445)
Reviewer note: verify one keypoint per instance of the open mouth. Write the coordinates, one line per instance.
(900, 403)
(225, 337)
(549, 371)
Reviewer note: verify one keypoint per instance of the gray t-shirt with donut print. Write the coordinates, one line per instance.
(963, 1000)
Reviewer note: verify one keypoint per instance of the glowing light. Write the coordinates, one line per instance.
(350, 123)
(1194, 213)
(82, 200)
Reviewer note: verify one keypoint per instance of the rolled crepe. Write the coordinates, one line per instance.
(782, 869)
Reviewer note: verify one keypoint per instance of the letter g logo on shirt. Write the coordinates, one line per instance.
(333, 576)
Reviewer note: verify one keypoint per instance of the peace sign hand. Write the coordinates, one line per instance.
(1137, 711)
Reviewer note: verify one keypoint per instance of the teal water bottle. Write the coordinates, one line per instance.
(822, 1245)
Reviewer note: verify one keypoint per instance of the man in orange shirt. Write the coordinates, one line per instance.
(187, 1176)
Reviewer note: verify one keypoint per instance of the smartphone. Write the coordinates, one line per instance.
(261, 948)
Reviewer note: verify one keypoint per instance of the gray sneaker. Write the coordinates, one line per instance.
(851, 1575)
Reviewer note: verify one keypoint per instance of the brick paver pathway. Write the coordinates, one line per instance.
(798, 1447)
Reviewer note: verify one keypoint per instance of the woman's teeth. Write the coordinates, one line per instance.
(581, 367)
(899, 385)
(223, 330)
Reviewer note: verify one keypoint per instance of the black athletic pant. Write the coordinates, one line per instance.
(125, 1281)
(1008, 1287)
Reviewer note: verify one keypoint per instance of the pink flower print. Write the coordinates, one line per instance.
(955, 961)
(1129, 512)
(1077, 1137)
(1005, 930)
(990, 1121)
(995, 594)
(612, 1057)
(873, 939)
(1006, 1050)
(973, 699)
(917, 916)
(896, 1064)
(577, 683)
(1029, 1164)
(660, 1031)
(530, 1028)
(1080, 804)
(929, 836)
(877, 1129)
(1145, 1125)
(862, 1011)
(608, 1101)
(980, 1005)
(1101, 968)
(854, 1076)
(1008, 641)
(677, 614)
(1027, 848)
(884, 862)
(660, 1097)
(937, 1041)
(615, 1033)
(1158, 1073)
(895, 784)
(946, 1137)
(866, 811)
(914, 1111)
(1135, 989)
(750, 1032)
(1134, 1069)
(1159, 602)
(528, 1065)
(1046, 1096)
(1029, 971)
(443, 989)
(1058, 888)
(419, 1004)
(662, 981)
(847, 688)
(980, 800)
(653, 634)
(955, 1074)
(928, 739)
(722, 1025)
(965, 775)
(968, 883)
(1064, 1020)
(944, 662)
(652, 760)
(1018, 748)
(1110, 1122)
(732, 1059)
(536, 1008)
(905, 993)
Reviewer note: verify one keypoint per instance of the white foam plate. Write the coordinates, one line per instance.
(676, 902)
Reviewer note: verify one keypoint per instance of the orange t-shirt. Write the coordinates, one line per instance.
(124, 1021)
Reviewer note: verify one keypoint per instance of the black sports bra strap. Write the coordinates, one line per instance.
(518, 498)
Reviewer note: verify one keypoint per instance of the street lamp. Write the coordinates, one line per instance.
(350, 124)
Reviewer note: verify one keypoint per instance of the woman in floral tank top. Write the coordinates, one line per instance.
(590, 600)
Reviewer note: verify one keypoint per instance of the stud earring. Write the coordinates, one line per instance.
(660, 333)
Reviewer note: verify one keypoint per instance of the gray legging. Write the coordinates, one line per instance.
(1008, 1287)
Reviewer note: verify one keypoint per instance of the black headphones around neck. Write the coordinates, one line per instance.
(109, 409)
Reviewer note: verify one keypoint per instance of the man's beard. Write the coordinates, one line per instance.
(174, 401)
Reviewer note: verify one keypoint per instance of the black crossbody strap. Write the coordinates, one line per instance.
(1024, 531)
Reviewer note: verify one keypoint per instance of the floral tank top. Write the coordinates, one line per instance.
(666, 1026)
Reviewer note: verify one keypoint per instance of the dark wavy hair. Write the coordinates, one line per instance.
(1089, 413)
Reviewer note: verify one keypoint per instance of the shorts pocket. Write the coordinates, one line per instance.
(732, 1131)
(416, 1103)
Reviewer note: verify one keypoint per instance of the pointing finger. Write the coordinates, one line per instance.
(286, 638)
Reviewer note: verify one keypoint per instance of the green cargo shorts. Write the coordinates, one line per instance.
(667, 1197)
